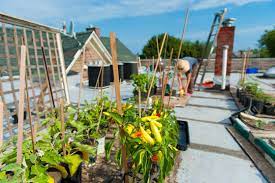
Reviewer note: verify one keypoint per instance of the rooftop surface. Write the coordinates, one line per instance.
(213, 156)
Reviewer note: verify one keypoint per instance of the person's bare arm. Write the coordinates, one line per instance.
(188, 75)
(179, 80)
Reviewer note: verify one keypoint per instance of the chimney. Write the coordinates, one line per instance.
(225, 37)
(64, 29)
(93, 28)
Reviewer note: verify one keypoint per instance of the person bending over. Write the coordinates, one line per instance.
(189, 67)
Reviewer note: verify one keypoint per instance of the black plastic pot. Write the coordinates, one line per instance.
(257, 106)
(269, 109)
(15, 117)
(247, 100)
(144, 94)
(241, 97)
(238, 92)
(94, 71)
(184, 138)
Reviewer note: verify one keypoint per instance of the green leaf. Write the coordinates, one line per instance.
(73, 161)
(115, 116)
(108, 147)
(38, 169)
(85, 148)
(33, 158)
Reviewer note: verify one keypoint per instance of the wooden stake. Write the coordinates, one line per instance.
(154, 74)
(62, 64)
(243, 68)
(62, 119)
(166, 75)
(81, 78)
(30, 115)
(21, 104)
(47, 76)
(181, 43)
(1, 124)
(139, 103)
(246, 64)
(98, 76)
(118, 101)
(102, 77)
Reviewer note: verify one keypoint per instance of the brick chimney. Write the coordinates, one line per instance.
(92, 28)
(225, 37)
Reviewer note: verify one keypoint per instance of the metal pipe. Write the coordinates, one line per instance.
(224, 65)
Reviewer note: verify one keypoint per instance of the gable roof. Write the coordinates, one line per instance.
(72, 44)
(123, 53)
(73, 47)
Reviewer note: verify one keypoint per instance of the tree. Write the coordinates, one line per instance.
(267, 43)
(193, 49)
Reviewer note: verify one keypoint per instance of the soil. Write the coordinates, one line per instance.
(267, 127)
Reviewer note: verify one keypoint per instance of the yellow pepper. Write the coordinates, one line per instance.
(50, 179)
(148, 118)
(154, 113)
(146, 136)
(129, 129)
(157, 124)
(156, 132)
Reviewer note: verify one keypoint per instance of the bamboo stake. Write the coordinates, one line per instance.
(47, 76)
(246, 63)
(21, 104)
(81, 78)
(166, 75)
(243, 68)
(154, 74)
(102, 77)
(30, 115)
(181, 43)
(1, 124)
(139, 103)
(118, 101)
(100, 116)
(62, 119)
(98, 76)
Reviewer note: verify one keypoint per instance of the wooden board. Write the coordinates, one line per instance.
(21, 104)
(263, 134)
(175, 101)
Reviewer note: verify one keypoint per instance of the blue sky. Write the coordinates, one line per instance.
(135, 21)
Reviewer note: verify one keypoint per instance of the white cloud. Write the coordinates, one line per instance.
(205, 4)
(53, 11)
(253, 30)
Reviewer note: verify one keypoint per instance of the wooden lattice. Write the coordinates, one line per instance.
(44, 50)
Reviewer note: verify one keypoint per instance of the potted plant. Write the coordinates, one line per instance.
(151, 150)
(141, 82)
(269, 107)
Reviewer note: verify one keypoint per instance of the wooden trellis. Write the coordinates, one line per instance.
(45, 70)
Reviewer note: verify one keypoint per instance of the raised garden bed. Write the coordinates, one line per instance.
(259, 137)
(250, 95)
